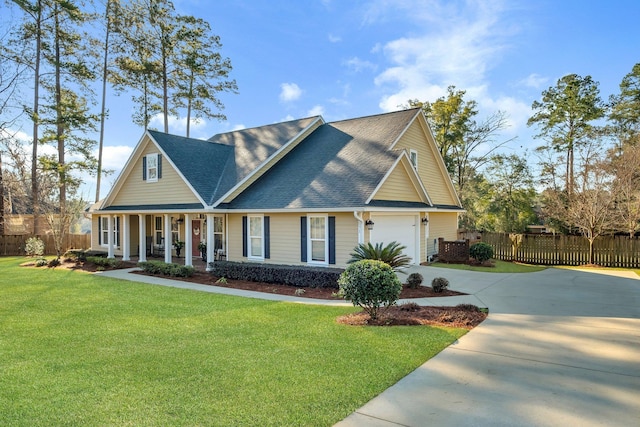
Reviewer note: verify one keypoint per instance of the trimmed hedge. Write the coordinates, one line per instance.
(104, 262)
(295, 275)
(171, 269)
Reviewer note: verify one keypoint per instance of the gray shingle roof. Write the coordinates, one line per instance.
(215, 166)
(338, 165)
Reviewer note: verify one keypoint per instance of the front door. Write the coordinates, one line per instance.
(196, 232)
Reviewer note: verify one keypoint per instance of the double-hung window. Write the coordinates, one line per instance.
(318, 239)
(255, 237)
(152, 167)
(104, 231)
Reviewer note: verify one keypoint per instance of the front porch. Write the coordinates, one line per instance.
(169, 236)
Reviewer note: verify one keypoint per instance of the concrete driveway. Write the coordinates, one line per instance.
(559, 348)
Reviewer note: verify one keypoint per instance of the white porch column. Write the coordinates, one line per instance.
(110, 251)
(125, 240)
(167, 238)
(210, 243)
(142, 226)
(188, 241)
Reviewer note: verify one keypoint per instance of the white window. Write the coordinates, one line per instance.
(317, 242)
(175, 235)
(255, 237)
(104, 231)
(217, 233)
(413, 156)
(152, 167)
(158, 234)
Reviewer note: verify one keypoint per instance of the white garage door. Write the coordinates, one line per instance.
(402, 229)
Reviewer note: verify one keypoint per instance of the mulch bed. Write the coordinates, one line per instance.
(463, 316)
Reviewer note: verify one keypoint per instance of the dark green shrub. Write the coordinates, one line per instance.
(41, 262)
(370, 284)
(164, 269)
(439, 284)
(300, 276)
(414, 280)
(481, 251)
(104, 262)
(54, 263)
(390, 254)
(34, 246)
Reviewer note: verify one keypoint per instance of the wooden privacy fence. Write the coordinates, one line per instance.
(14, 244)
(609, 251)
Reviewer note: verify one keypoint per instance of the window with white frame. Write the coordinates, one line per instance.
(318, 240)
(217, 233)
(158, 230)
(152, 167)
(413, 156)
(255, 244)
(104, 231)
(175, 234)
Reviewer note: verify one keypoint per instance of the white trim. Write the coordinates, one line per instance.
(347, 209)
(267, 161)
(142, 237)
(249, 237)
(406, 128)
(422, 192)
(310, 260)
(125, 239)
(413, 152)
(148, 168)
(131, 163)
(188, 243)
(167, 239)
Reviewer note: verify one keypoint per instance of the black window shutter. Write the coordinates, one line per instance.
(267, 239)
(144, 168)
(332, 240)
(303, 238)
(117, 227)
(159, 166)
(244, 236)
(100, 242)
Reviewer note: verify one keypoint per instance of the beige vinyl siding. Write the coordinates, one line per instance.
(94, 233)
(445, 225)
(272, 162)
(285, 238)
(398, 186)
(433, 176)
(171, 188)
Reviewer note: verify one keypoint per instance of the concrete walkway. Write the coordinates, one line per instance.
(559, 348)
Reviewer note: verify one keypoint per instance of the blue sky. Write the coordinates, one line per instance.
(345, 59)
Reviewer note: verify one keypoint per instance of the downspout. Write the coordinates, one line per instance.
(358, 217)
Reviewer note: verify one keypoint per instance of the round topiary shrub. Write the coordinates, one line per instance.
(414, 280)
(439, 284)
(370, 284)
(481, 252)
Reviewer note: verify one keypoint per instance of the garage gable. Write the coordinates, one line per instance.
(401, 183)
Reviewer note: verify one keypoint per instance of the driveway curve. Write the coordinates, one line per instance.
(559, 347)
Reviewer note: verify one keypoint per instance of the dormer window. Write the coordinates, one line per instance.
(152, 167)
(413, 156)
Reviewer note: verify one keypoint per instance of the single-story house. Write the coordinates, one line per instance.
(300, 192)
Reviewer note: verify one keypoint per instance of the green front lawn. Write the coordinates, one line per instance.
(500, 267)
(79, 349)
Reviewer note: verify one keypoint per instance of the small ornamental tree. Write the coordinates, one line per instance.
(481, 252)
(370, 284)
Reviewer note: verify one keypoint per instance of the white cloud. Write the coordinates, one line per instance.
(317, 110)
(115, 156)
(238, 127)
(334, 39)
(290, 92)
(460, 44)
(177, 126)
(356, 64)
(534, 81)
